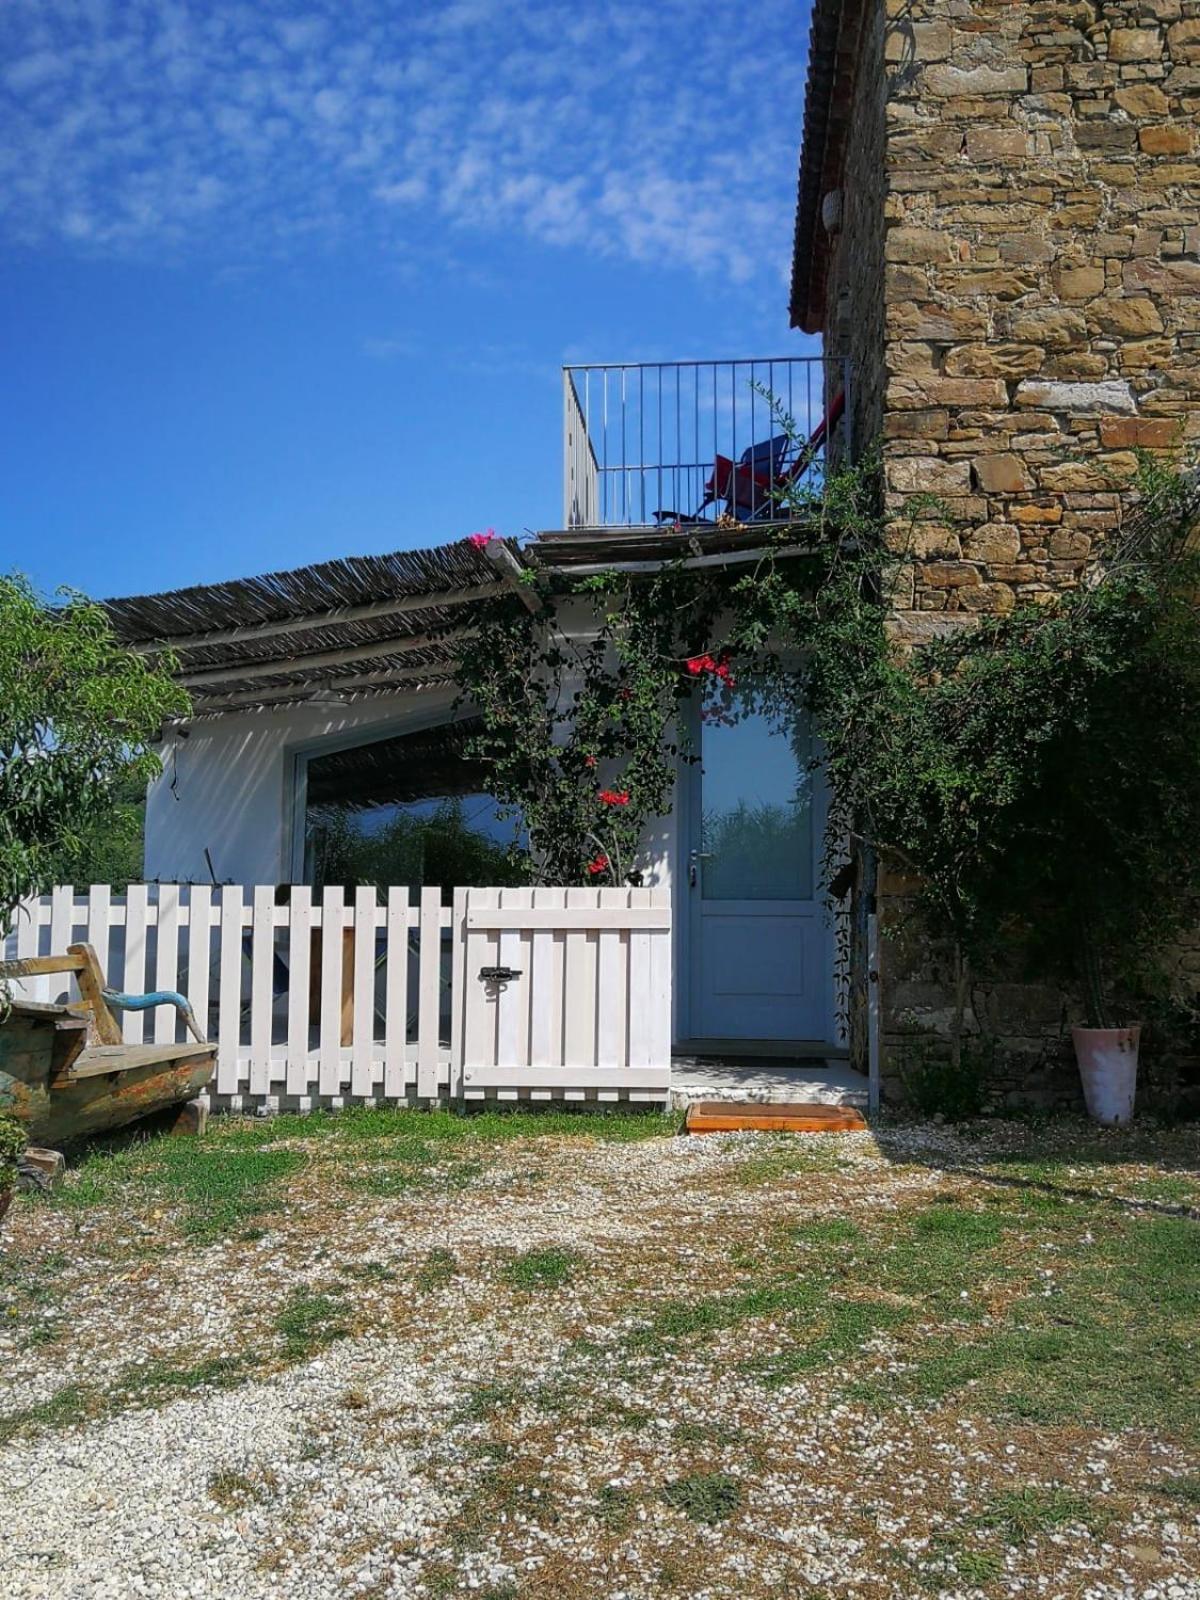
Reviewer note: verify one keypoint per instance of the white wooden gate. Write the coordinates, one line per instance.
(567, 991)
(378, 996)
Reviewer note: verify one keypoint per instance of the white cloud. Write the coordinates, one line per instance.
(231, 127)
(403, 192)
(33, 70)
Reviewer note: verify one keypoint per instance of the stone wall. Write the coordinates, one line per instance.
(1035, 321)
(1018, 1030)
(856, 326)
(1042, 281)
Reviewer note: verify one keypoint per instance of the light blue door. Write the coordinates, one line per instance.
(759, 954)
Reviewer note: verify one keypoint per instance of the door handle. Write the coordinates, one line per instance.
(693, 857)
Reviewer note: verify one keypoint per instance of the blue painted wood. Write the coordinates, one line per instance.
(157, 997)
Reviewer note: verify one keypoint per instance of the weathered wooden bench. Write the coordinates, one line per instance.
(66, 1072)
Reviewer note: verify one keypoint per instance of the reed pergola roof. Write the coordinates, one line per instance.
(363, 625)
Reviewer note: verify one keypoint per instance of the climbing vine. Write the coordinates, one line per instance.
(950, 758)
(578, 705)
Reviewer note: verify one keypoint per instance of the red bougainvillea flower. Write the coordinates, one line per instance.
(597, 864)
(615, 797)
(479, 540)
(589, 761)
(718, 667)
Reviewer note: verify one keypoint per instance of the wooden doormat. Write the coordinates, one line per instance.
(729, 1116)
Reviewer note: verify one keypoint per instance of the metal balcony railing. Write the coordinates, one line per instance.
(666, 442)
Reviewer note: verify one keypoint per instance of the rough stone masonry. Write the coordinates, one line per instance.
(1038, 220)
(999, 224)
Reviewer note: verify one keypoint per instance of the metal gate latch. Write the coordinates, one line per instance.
(499, 974)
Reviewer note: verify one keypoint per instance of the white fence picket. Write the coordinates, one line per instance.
(166, 960)
(133, 978)
(332, 922)
(299, 981)
(61, 935)
(99, 920)
(262, 959)
(199, 952)
(586, 1014)
(429, 989)
(396, 1076)
(229, 993)
(362, 1061)
(579, 983)
(458, 972)
(545, 984)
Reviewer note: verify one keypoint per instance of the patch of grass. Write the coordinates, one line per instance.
(509, 1490)
(47, 1330)
(786, 1160)
(232, 1490)
(309, 1322)
(390, 1183)
(439, 1578)
(68, 1407)
(163, 1380)
(838, 1334)
(1109, 1340)
(1185, 1489)
(615, 1508)
(826, 1232)
(406, 1166)
(1167, 1188)
(1021, 1514)
(367, 1272)
(978, 1566)
(708, 1433)
(708, 1497)
(485, 1399)
(548, 1267)
(365, 1124)
(220, 1190)
(152, 1383)
(437, 1270)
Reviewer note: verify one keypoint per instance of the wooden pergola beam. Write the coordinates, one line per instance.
(233, 671)
(726, 558)
(398, 607)
(440, 672)
(511, 573)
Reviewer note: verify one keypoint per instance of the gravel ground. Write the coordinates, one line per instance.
(474, 1405)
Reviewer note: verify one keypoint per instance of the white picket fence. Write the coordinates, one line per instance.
(386, 996)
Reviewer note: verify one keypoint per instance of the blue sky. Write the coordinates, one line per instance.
(281, 282)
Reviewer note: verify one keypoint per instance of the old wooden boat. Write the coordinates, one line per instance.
(65, 1071)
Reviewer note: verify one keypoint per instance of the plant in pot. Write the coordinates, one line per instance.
(1110, 853)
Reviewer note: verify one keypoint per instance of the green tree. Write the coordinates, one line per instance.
(78, 716)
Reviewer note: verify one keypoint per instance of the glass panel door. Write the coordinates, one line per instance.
(759, 963)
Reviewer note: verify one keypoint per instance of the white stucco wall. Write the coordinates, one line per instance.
(227, 784)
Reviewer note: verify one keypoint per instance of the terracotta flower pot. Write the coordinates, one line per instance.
(1108, 1063)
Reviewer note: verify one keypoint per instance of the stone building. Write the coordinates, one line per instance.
(999, 224)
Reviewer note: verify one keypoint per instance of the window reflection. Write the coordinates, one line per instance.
(756, 811)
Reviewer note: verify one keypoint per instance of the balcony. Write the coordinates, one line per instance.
(685, 443)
